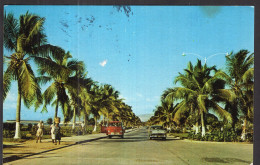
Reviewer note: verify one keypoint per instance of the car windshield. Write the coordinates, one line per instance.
(156, 127)
(115, 124)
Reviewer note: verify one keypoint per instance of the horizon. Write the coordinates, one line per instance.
(139, 55)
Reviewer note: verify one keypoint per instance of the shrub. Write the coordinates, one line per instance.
(29, 127)
(9, 126)
(228, 135)
(8, 133)
(49, 121)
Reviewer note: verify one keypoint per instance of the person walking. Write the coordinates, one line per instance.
(52, 133)
(57, 133)
(39, 133)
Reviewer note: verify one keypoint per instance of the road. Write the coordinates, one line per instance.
(135, 148)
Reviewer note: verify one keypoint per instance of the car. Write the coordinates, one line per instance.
(157, 131)
(115, 128)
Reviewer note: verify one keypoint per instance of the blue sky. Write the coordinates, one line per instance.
(139, 55)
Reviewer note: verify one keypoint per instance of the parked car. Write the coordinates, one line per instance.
(115, 128)
(157, 131)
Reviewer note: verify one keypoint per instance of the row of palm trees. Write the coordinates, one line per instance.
(69, 87)
(205, 91)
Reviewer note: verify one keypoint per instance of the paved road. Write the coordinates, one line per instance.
(135, 148)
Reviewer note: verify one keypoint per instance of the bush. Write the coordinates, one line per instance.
(8, 133)
(49, 121)
(227, 135)
(9, 126)
(29, 127)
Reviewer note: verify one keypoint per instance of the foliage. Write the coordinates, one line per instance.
(49, 121)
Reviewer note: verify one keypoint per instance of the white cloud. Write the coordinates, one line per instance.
(139, 94)
(103, 63)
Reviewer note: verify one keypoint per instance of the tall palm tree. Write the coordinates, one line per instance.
(24, 38)
(79, 95)
(108, 97)
(61, 71)
(240, 79)
(200, 92)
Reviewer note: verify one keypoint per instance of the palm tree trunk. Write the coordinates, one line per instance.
(197, 127)
(85, 119)
(56, 111)
(18, 114)
(74, 119)
(95, 128)
(103, 119)
(243, 135)
(203, 129)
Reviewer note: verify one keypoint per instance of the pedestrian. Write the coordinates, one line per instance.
(52, 133)
(39, 133)
(57, 133)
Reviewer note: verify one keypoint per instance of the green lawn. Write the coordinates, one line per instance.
(181, 135)
(30, 135)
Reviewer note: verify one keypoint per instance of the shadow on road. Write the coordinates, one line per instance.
(225, 160)
(12, 146)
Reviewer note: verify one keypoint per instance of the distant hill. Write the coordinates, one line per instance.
(145, 117)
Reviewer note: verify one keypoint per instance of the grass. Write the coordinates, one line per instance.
(181, 135)
(13, 140)
(31, 135)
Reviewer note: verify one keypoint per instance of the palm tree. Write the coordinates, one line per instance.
(240, 79)
(25, 38)
(79, 96)
(106, 100)
(201, 91)
(164, 114)
(61, 71)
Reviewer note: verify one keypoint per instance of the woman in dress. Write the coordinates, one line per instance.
(39, 133)
(52, 133)
(57, 133)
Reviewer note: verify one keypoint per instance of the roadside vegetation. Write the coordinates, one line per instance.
(211, 104)
(71, 92)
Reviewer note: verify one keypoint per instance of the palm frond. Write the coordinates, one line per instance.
(221, 112)
(248, 75)
(8, 77)
(11, 29)
(27, 82)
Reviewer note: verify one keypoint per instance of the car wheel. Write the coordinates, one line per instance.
(122, 137)
(109, 137)
(150, 138)
(164, 138)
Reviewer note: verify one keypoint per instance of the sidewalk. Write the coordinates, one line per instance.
(14, 150)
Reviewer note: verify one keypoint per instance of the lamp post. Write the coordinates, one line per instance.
(205, 58)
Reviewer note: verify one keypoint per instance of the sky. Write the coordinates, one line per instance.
(139, 55)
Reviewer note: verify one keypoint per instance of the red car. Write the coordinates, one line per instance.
(115, 128)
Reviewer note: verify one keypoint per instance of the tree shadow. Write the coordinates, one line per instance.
(225, 160)
(12, 146)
